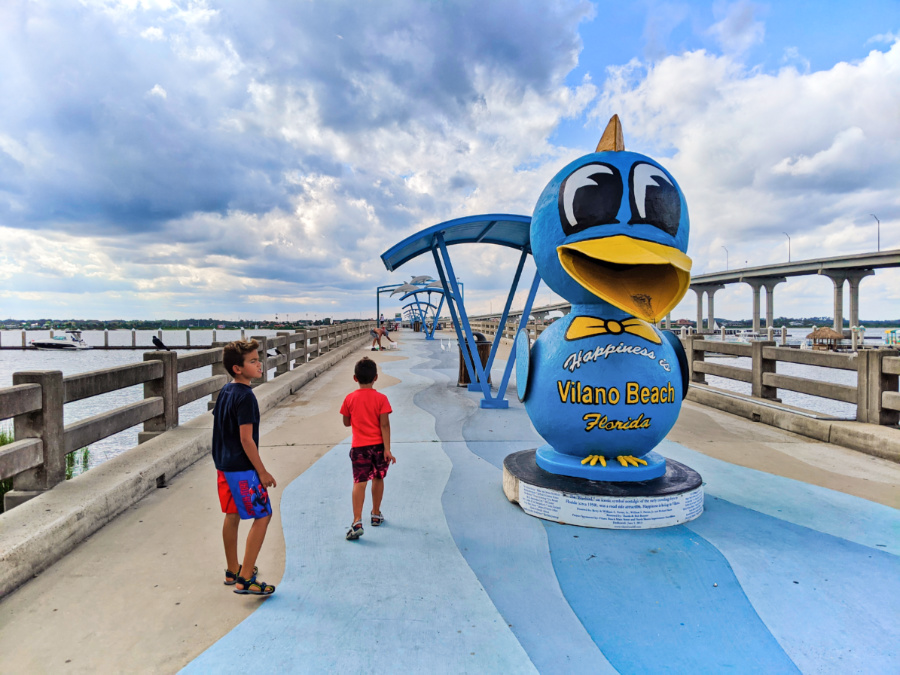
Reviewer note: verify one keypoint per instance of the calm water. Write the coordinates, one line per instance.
(814, 403)
(71, 363)
(74, 362)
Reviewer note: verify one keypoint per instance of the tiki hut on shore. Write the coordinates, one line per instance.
(825, 339)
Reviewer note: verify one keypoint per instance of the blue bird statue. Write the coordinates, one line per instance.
(602, 385)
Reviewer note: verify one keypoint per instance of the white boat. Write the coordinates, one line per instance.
(71, 341)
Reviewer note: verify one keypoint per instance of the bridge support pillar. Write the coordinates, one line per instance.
(699, 291)
(854, 278)
(756, 284)
(770, 285)
(710, 316)
(838, 278)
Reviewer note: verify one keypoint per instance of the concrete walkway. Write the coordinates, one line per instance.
(793, 567)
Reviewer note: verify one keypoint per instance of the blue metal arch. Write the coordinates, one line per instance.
(509, 230)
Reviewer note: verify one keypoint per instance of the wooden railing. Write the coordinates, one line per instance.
(36, 460)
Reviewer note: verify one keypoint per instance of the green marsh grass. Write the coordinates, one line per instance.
(76, 463)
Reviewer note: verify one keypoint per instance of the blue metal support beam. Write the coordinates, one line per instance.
(512, 291)
(522, 323)
(482, 379)
(451, 304)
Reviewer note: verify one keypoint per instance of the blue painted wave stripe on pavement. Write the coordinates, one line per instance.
(649, 601)
(832, 604)
(400, 599)
(507, 550)
(818, 508)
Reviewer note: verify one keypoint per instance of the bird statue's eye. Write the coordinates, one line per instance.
(590, 196)
(654, 198)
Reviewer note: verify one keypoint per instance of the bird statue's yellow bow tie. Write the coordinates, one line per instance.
(589, 326)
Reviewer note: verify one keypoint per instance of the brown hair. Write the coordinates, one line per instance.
(365, 370)
(236, 351)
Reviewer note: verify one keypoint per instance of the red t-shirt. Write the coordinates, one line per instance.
(365, 407)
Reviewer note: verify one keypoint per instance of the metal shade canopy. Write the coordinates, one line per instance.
(503, 229)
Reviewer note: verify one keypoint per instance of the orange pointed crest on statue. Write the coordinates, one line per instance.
(612, 139)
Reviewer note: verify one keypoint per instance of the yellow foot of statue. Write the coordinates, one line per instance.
(628, 460)
(593, 459)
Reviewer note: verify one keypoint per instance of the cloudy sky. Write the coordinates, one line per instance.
(163, 158)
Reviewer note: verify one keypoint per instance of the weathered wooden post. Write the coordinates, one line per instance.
(722, 333)
(24, 342)
(133, 337)
(770, 333)
(187, 337)
(159, 333)
(854, 337)
(46, 424)
(224, 343)
(106, 337)
(165, 387)
(242, 334)
(784, 336)
(761, 366)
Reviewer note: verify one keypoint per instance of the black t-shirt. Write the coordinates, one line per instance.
(236, 405)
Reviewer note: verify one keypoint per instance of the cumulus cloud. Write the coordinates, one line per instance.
(759, 154)
(244, 157)
(294, 144)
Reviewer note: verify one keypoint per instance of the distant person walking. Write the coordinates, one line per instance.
(377, 334)
(367, 412)
(242, 477)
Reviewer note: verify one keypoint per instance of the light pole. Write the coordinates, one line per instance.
(879, 229)
(789, 245)
(726, 259)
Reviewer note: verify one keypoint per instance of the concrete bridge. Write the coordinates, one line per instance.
(793, 567)
(841, 269)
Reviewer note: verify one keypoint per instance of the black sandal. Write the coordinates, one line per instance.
(253, 587)
(232, 577)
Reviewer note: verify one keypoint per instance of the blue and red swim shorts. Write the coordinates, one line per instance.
(368, 462)
(241, 492)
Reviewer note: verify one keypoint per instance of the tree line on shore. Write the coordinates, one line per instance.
(164, 324)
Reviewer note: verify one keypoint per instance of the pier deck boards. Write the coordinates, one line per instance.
(793, 567)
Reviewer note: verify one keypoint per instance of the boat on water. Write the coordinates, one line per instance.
(71, 341)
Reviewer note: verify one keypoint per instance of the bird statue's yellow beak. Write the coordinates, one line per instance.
(642, 278)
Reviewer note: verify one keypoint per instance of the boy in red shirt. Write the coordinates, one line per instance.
(366, 411)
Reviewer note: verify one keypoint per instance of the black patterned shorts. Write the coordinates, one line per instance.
(368, 462)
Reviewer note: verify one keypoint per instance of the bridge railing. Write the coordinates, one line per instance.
(490, 327)
(36, 460)
(875, 393)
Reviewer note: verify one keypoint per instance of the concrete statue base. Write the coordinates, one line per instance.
(671, 499)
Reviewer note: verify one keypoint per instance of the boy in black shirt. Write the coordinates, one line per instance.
(243, 478)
